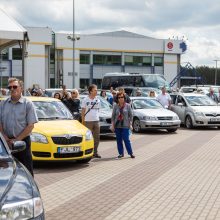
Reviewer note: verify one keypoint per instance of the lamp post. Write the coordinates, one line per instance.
(73, 39)
(216, 68)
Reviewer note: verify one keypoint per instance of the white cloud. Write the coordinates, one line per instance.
(196, 20)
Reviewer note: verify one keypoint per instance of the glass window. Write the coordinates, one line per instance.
(4, 55)
(98, 59)
(158, 61)
(3, 152)
(16, 53)
(128, 60)
(147, 61)
(84, 59)
(107, 59)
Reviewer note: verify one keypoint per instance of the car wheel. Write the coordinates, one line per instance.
(170, 130)
(188, 122)
(84, 160)
(136, 125)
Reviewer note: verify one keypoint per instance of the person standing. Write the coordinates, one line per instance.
(121, 124)
(74, 104)
(164, 98)
(90, 116)
(212, 95)
(17, 119)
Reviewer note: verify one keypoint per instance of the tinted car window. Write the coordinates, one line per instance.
(3, 152)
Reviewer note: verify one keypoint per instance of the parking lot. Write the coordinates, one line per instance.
(174, 176)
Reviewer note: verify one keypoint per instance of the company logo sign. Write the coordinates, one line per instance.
(183, 46)
(170, 46)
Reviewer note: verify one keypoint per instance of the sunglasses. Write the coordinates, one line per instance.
(121, 97)
(12, 87)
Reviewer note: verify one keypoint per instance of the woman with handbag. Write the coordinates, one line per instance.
(121, 124)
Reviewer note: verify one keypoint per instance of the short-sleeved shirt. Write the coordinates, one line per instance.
(164, 99)
(93, 114)
(15, 117)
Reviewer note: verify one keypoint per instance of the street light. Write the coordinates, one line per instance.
(73, 39)
(216, 65)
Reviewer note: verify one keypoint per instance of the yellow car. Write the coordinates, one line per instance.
(57, 137)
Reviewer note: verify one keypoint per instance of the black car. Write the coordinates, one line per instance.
(19, 194)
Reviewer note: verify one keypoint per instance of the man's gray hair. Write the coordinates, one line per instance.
(20, 82)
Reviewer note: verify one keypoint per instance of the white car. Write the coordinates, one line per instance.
(148, 113)
(196, 110)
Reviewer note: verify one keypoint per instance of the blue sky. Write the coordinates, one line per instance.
(195, 20)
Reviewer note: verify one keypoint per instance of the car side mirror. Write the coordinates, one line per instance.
(18, 146)
(180, 104)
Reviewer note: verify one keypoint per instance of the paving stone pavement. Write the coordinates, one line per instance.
(174, 176)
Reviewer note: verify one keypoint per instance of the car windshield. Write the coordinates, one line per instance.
(105, 105)
(52, 110)
(200, 101)
(146, 104)
(3, 152)
(155, 81)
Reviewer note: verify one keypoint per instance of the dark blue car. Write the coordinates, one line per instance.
(19, 194)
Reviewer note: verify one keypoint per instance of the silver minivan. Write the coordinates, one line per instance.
(196, 110)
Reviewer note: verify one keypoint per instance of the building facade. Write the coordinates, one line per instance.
(50, 59)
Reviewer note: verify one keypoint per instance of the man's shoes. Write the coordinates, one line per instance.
(132, 156)
(120, 156)
(96, 156)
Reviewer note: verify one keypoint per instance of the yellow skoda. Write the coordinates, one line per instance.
(57, 136)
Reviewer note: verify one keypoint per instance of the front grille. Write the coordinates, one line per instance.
(78, 154)
(108, 120)
(212, 115)
(165, 118)
(213, 122)
(41, 154)
(66, 140)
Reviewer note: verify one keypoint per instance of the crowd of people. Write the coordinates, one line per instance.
(121, 120)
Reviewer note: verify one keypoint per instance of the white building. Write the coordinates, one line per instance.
(49, 61)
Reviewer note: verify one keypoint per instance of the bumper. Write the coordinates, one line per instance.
(105, 129)
(160, 124)
(50, 152)
(206, 121)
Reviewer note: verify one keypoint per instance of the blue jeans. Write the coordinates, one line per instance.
(122, 134)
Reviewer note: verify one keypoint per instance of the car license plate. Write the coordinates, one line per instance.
(214, 119)
(65, 150)
(165, 123)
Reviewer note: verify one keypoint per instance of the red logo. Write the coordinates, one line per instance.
(170, 45)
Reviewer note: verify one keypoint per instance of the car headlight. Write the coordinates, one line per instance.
(175, 117)
(89, 135)
(22, 210)
(150, 118)
(199, 114)
(39, 138)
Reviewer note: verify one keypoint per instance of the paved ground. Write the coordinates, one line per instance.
(174, 176)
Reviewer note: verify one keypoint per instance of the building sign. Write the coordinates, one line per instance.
(170, 46)
(174, 46)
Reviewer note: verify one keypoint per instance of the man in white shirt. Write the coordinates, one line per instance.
(90, 116)
(164, 98)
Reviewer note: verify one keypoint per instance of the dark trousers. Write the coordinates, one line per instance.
(25, 156)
